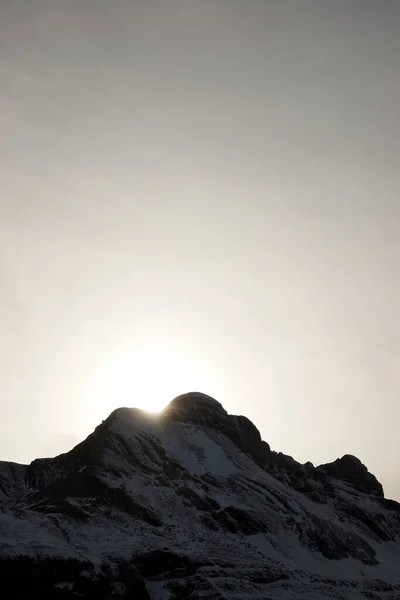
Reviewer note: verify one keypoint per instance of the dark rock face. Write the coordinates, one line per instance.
(236, 520)
(193, 504)
(25, 578)
(350, 469)
(200, 409)
(161, 562)
(335, 543)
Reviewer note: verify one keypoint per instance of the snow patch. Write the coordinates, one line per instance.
(198, 453)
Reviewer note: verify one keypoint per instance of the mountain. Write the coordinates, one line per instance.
(192, 504)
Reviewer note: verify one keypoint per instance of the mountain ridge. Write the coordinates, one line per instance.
(157, 505)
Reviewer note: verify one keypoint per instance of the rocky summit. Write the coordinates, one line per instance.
(191, 503)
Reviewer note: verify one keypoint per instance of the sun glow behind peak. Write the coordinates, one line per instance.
(147, 378)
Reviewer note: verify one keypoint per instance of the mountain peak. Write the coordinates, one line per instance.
(195, 405)
(191, 502)
(350, 468)
(202, 410)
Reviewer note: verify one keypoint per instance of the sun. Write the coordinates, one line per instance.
(146, 384)
(147, 378)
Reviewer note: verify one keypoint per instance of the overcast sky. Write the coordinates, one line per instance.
(202, 194)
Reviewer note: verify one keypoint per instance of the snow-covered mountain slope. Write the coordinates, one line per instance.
(193, 504)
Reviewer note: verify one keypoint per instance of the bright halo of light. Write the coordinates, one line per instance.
(148, 378)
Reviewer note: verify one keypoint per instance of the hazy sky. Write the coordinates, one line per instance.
(202, 194)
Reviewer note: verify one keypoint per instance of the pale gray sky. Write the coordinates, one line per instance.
(202, 194)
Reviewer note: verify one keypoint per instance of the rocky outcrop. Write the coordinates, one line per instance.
(350, 469)
(203, 410)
